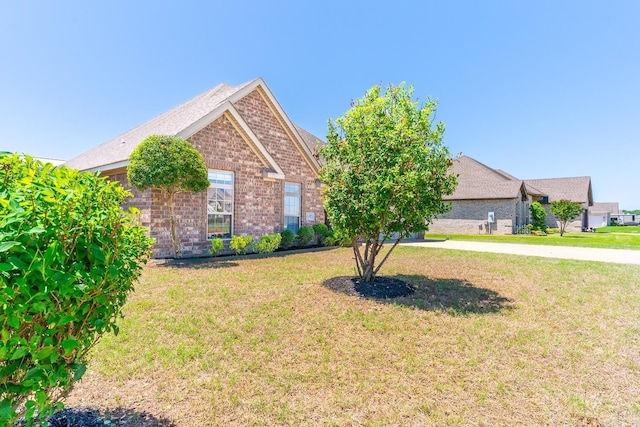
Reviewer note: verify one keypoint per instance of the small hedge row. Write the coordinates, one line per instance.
(284, 240)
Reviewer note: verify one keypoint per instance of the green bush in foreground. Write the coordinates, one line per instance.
(267, 244)
(68, 259)
(288, 237)
(305, 235)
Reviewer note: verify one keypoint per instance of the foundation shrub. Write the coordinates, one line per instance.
(240, 244)
(321, 231)
(267, 244)
(216, 246)
(288, 238)
(305, 235)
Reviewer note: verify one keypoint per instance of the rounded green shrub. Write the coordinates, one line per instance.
(267, 244)
(305, 235)
(288, 238)
(240, 244)
(321, 231)
(336, 239)
(216, 246)
(69, 256)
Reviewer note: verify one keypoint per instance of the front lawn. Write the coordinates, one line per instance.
(487, 339)
(609, 240)
(619, 229)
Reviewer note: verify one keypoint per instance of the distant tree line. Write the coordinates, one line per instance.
(633, 212)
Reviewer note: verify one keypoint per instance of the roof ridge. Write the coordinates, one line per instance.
(489, 168)
(561, 177)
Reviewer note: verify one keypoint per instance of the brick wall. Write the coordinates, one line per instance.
(270, 130)
(466, 216)
(470, 226)
(258, 204)
(140, 199)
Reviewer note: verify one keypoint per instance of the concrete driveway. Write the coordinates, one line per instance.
(620, 256)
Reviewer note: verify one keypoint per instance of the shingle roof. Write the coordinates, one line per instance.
(313, 142)
(605, 207)
(171, 122)
(577, 189)
(478, 181)
(179, 119)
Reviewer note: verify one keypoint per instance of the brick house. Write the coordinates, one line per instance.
(262, 171)
(483, 190)
(577, 189)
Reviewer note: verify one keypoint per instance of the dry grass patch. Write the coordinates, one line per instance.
(486, 339)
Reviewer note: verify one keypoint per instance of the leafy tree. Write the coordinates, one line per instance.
(565, 211)
(69, 256)
(538, 216)
(172, 165)
(632, 212)
(386, 170)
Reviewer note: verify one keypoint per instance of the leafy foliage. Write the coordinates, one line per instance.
(172, 165)
(321, 231)
(216, 246)
(68, 259)
(240, 244)
(538, 216)
(288, 237)
(565, 211)
(387, 170)
(267, 244)
(305, 235)
(337, 239)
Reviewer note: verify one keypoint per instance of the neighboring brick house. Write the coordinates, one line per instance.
(577, 189)
(263, 174)
(483, 190)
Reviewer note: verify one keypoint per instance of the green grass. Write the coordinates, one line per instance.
(487, 339)
(619, 229)
(588, 240)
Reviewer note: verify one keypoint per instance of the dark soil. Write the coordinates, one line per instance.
(89, 417)
(379, 288)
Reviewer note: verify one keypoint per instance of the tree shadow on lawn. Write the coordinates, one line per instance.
(90, 417)
(452, 296)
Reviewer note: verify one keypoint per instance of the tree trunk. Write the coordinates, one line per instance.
(174, 236)
(369, 259)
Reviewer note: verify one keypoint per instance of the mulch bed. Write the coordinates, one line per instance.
(90, 417)
(379, 288)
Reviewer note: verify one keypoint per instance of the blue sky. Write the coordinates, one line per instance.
(536, 88)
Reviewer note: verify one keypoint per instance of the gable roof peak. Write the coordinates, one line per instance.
(184, 120)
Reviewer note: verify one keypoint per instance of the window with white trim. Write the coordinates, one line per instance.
(292, 206)
(220, 205)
